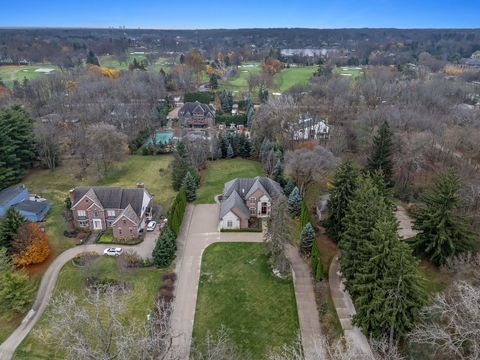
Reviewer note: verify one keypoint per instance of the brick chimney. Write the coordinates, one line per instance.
(71, 193)
(140, 185)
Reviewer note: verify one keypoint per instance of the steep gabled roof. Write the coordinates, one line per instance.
(191, 107)
(112, 197)
(130, 214)
(245, 186)
(233, 201)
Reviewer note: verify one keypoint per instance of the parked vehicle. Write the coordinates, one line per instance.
(151, 226)
(113, 252)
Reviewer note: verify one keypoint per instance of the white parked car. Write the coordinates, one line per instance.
(113, 252)
(151, 226)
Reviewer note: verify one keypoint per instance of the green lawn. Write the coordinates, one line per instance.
(9, 73)
(238, 290)
(238, 83)
(219, 172)
(143, 285)
(111, 61)
(106, 238)
(288, 78)
(55, 185)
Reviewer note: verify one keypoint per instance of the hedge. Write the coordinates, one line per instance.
(177, 211)
(201, 96)
(240, 119)
(258, 228)
(316, 263)
(305, 216)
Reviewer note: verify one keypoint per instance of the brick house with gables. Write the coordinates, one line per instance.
(196, 115)
(246, 198)
(123, 210)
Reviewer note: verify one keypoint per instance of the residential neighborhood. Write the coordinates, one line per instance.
(293, 181)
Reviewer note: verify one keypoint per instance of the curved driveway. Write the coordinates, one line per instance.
(47, 285)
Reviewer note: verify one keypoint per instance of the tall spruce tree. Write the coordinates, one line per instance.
(388, 289)
(307, 237)
(92, 58)
(344, 184)
(9, 227)
(287, 190)
(381, 156)
(277, 173)
(365, 207)
(441, 231)
(164, 251)
(190, 187)
(180, 165)
(295, 202)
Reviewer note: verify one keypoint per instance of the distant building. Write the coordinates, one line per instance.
(196, 115)
(311, 128)
(476, 55)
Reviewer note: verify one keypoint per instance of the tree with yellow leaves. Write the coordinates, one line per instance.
(30, 246)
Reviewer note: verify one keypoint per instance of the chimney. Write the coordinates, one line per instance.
(140, 185)
(71, 194)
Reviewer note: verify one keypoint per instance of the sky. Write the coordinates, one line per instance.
(198, 14)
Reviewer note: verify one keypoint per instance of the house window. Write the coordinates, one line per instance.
(130, 231)
(111, 213)
(229, 223)
(120, 231)
(95, 214)
(264, 208)
(253, 211)
(253, 200)
(81, 213)
(124, 221)
(83, 223)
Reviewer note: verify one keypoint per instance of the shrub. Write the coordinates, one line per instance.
(164, 251)
(239, 119)
(201, 96)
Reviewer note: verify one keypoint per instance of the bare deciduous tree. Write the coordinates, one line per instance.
(307, 166)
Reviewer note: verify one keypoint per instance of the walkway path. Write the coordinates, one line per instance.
(405, 229)
(200, 230)
(345, 310)
(47, 285)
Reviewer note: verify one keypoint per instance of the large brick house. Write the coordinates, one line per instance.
(196, 115)
(121, 209)
(246, 198)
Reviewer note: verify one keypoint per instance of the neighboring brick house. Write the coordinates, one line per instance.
(246, 198)
(196, 115)
(123, 210)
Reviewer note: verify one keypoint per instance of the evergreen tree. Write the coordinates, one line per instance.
(230, 153)
(17, 145)
(190, 187)
(305, 217)
(316, 263)
(389, 292)
(165, 247)
(226, 101)
(182, 59)
(246, 147)
(213, 81)
(381, 156)
(441, 231)
(365, 207)
(9, 227)
(294, 202)
(287, 190)
(277, 173)
(307, 238)
(180, 166)
(344, 184)
(92, 58)
(263, 95)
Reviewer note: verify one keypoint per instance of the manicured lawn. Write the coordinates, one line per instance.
(238, 83)
(55, 185)
(112, 62)
(9, 73)
(219, 172)
(238, 291)
(294, 76)
(106, 238)
(142, 284)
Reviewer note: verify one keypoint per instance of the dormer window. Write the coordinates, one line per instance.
(253, 200)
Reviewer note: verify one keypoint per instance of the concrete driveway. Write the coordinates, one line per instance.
(47, 285)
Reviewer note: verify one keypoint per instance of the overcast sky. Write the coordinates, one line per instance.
(196, 14)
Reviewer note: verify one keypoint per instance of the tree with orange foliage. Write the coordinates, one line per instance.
(272, 66)
(195, 60)
(104, 71)
(30, 246)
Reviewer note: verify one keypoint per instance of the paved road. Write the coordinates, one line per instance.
(345, 310)
(47, 285)
(198, 232)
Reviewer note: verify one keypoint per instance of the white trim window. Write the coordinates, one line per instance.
(81, 213)
(253, 200)
(253, 211)
(111, 213)
(229, 223)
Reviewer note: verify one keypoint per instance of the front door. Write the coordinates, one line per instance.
(97, 224)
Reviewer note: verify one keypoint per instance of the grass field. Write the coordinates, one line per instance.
(288, 78)
(219, 172)
(112, 62)
(238, 291)
(10, 73)
(142, 283)
(55, 185)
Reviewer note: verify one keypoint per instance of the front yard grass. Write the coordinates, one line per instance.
(239, 292)
(54, 186)
(218, 172)
(142, 283)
